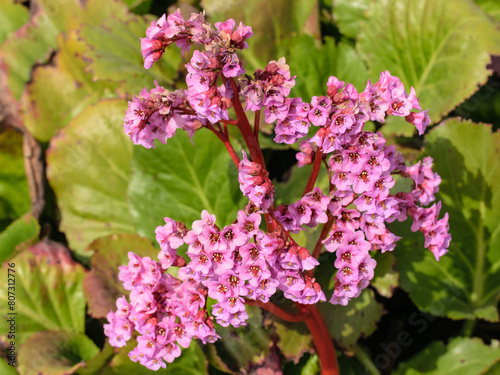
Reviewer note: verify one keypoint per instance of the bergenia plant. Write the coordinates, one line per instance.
(248, 261)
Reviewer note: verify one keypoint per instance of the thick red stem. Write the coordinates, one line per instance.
(256, 125)
(278, 311)
(314, 172)
(322, 340)
(245, 128)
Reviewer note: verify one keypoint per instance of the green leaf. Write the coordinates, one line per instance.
(295, 18)
(442, 54)
(89, 170)
(294, 338)
(114, 53)
(23, 229)
(14, 195)
(55, 353)
(349, 15)
(464, 283)
(48, 292)
(33, 43)
(491, 7)
(191, 362)
(247, 345)
(7, 369)
(60, 91)
(346, 323)
(313, 66)
(179, 180)
(12, 17)
(386, 278)
(462, 356)
(94, 365)
(101, 285)
(290, 191)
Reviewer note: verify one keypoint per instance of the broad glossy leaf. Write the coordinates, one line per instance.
(23, 229)
(61, 90)
(48, 291)
(441, 48)
(34, 42)
(14, 195)
(464, 283)
(12, 17)
(313, 66)
(295, 17)
(191, 362)
(462, 356)
(114, 53)
(55, 353)
(349, 15)
(346, 323)
(89, 170)
(179, 180)
(101, 285)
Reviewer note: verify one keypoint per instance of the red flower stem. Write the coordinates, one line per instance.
(322, 340)
(278, 311)
(230, 122)
(245, 128)
(256, 124)
(223, 136)
(319, 243)
(314, 172)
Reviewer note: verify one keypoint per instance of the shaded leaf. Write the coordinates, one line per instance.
(346, 323)
(386, 277)
(215, 360)
(179, 180)
(101, 285)
(14, 195)
(442, 54)
(349, 15)
(48, 291)
(464, 283)
(23, 229)
(55, 353)
(89, 169)
(462, 356)
(247, 345)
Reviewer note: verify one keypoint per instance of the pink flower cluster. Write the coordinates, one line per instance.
(242, 262)
(158, 114)
(166, 313)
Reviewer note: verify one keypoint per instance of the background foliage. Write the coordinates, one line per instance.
(75, 196)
